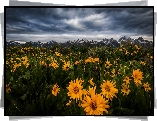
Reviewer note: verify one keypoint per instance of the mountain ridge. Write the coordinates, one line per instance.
(104, 42)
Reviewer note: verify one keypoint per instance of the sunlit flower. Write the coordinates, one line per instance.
(151, 57)
(108, 89)
(66, 66)
(79, 104)
(108, 64)
(126, 52)
(76, 62)
(146, 86)
(94, 104)
(95, 60)
(8, 88)
(127, 80)
(69, 103)
(117, 59)
(88, 60)
(113, 71)
(91, 82)
(7, 62)
(137, 75)
(75, 89)
(143, 63)
(55, 90)
(54, 64)
(125, 89)
(106, 72)
(58, 54)
(136, 46)
(119, 72)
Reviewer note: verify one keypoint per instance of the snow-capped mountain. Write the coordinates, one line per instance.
(105, 42)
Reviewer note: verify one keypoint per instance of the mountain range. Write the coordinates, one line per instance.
(105, 42)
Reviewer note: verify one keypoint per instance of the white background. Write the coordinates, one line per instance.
(71, 2)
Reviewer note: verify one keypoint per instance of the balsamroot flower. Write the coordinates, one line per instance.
(55, 90)
(75, 89)
(146, 86)
(108, 89)
(94, 104)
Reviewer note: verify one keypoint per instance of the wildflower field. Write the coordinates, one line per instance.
(79, 80)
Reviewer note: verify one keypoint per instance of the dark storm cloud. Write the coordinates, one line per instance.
(100, 22)
(138, 20)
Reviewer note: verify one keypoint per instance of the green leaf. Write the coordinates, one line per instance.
(122, 111)
(11, 79)
(23, 97)
(110, 112)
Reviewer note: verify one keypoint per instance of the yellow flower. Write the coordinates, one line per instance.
(54, 64)
(127, 80)
(27, 64)
(79, 104)
(66, 66)
(114, 62)
(88, 60)
(75, 89)
(119, 72)
(55, 90)
(91, 82)
(125, 89)
(105, 72)
(7, 62)
(137, 75)
(94, 104)
(108, 89)
(63, 60)
(151, 57)
(76, 62)
(146, 86)
(137, 82)
(120, 49)
(135, 52)
(95, 60)
(113, 71)
(108, 64)
(131, 62)
(21, 51)
(126, 52)
(69, 103)
(18, 59)
(24, 58)
(8, 88)
(143, 63)
(16, 66)
(58, 54)
(136, 46)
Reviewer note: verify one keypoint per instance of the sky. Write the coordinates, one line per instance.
(63, 24)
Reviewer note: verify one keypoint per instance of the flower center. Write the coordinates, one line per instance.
(107, 88)
(55, 89)
(67, 67)
(76, 90)
(126, 89)
(93, 106)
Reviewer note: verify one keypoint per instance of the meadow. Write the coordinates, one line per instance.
(79, 81)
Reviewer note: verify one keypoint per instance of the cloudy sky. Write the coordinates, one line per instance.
(63, 24)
